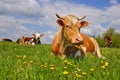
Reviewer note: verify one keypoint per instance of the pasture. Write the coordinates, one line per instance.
(27, 62)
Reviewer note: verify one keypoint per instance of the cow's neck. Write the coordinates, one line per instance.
(63, 41)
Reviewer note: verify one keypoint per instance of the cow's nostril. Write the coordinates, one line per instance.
(78, 39)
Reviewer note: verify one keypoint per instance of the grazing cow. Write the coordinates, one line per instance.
(108, 41)
(69, 38)
(30, 40)
(7, 40)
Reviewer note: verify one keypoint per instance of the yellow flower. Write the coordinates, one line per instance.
(65, 67)
(65, 72)
(103, 67)
(106, 64)
(42, 65)
(24, 62)
(52, 65)
(52, 68)
(91, 69)
(65, 61)
(24, 56)
(69, 63)
(31, 61)
(45, 66)
(78, 75)
(84, 73)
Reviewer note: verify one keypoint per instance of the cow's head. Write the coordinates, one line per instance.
(37, 36)
(71, 26)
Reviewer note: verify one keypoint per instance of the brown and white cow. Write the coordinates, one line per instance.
(7, 40)
(89, 45)
(68, 38)
(30, 40)
(108, 41)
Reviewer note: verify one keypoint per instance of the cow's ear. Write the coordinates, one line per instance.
(41, 35)
(84, 23)
(60, 22)
(33, 35)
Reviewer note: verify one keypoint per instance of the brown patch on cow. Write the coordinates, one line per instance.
(87, 43)
(7, 40)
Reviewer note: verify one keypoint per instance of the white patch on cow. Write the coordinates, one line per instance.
(31, 40)
(33, 43)
(73, 19)
(84, 50)
(37, 35)
(78, 54)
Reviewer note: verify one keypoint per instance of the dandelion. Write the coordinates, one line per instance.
(65, 61)
(24, 62)
(84, 73)
(52, 65)
(102, 67)
(31, 61)
(78, 75)
(24, 56)
(91, 69)
(106, 64)
(65, 67)
(65, 72)
(69, 63)
(45, 66)
(42, 65)
(52, 68)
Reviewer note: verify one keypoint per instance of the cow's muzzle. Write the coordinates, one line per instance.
(78, 43)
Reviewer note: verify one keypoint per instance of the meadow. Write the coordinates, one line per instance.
(27, 62)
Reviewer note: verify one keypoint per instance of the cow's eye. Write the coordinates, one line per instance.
(69, 27)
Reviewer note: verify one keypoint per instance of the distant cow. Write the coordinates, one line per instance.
(69, 38)
(30, 40)
(7, 40)
(108, 41)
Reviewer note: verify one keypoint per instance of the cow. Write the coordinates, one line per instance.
(89, 45)
(7, 40)
(30, 40)
(68, 38)
(107, 40)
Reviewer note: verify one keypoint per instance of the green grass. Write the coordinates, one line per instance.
(27, 62)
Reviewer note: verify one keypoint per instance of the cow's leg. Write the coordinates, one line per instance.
(97, 49)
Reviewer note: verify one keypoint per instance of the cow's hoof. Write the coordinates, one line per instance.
(103, 57)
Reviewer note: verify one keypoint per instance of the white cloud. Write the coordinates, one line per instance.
(17, 15)
(28, 8)
(113, 2)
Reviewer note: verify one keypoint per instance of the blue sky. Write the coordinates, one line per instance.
(95, 3)
(25, 17)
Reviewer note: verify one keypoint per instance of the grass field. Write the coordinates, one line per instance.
(27, 62)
